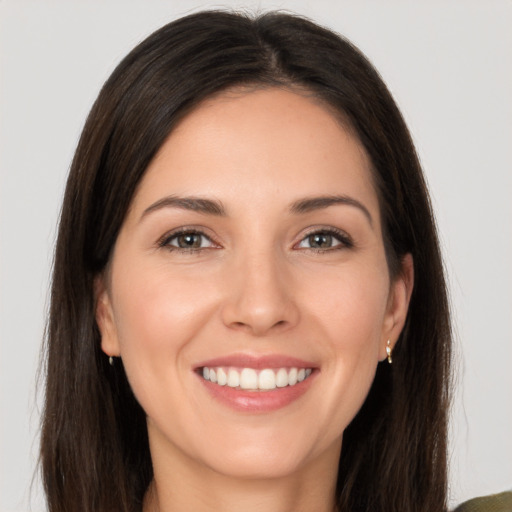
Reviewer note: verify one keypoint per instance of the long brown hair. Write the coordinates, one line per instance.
(94, 447)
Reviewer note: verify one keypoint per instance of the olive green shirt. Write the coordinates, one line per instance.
(496, 503)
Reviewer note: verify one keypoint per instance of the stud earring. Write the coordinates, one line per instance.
(111, 361)
(388, 351)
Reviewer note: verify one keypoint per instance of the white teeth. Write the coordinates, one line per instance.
(266, 379)
(249, 378)
(233, 379)
(281, 378)
(222, 378)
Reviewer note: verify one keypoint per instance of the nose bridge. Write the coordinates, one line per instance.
(261, 294)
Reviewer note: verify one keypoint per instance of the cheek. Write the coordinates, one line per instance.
(351, 307)
(349, 314)
(157, 314)
(154, 306)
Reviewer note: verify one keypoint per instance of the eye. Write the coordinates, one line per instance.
(186, 240)
(324, 240)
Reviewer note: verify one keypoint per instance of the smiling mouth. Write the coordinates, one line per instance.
(250, 379)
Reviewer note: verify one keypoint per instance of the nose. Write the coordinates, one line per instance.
(260, 296)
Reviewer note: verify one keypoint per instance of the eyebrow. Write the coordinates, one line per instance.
(320, 202)
(195, 204)
(216, 208)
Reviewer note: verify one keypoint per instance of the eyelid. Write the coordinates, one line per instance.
(344, 239)
(163, 241)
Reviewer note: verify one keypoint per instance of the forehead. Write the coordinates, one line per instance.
(263, 144)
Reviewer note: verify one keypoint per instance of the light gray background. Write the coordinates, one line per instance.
(449, 64)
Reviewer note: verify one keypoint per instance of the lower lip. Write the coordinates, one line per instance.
(258, 401)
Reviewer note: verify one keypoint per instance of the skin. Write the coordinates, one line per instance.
(255, 286)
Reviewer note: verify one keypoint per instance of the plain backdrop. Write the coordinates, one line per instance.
(449, 65)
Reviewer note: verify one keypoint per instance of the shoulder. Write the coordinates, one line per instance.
(495, 503)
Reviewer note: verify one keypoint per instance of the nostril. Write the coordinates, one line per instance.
(258, 314)
(251, 326)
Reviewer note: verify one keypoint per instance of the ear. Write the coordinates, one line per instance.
(398, 304)
(105, 318)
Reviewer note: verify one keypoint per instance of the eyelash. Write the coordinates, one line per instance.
(165, 241)
(345, 241)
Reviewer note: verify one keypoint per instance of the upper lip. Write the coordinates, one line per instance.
(257, 362)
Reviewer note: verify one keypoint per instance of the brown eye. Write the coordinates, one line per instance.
(187, 240)
(326, 240)
(320, 241)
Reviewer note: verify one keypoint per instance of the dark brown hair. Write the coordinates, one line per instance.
(94, 447)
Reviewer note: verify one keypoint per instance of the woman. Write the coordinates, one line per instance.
(246, 244)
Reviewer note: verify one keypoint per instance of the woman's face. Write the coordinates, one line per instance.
(252, 255)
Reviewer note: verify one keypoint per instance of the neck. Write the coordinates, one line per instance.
(177, 488)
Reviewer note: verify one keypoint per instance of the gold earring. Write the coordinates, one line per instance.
(388, 351)
(111, 361)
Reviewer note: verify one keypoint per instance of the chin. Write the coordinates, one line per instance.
(272, 456)
(262, 466)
